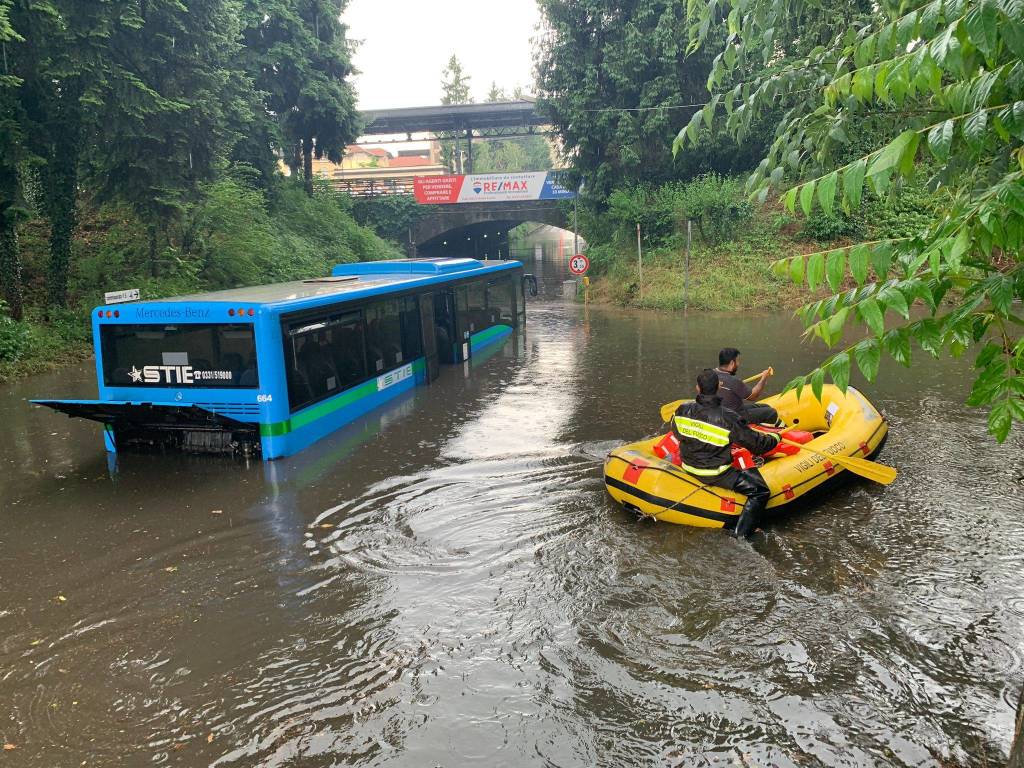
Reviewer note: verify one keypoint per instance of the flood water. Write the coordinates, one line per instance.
(446, 583)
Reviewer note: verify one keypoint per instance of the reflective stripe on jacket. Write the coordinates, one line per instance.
(706, 429)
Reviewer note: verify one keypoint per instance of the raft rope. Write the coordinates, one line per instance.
(674, 504)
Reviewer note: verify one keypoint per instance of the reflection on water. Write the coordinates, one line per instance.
(445, 582)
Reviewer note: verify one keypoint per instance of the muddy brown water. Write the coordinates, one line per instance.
(445, 582)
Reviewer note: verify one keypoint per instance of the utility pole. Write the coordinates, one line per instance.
(686, 277)
(575, 226)
(639, 261)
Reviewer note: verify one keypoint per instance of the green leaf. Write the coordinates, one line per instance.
(882, 81)
(839, 370)
(818, 382)
(871, 313)
(780, 268)
(868, 355)
(807, 197)
(891, 154)
(940, 138)
(881, 259)
(815, 270)
(987, 355)
(835, 326)
(1012, 32)
(906, 28)
(1000, 419)
(892, 298)
(864, 52)
(897, 345)
(863, 83)
(909, 156)
(928, 335)
(827, 192)
(859, 258)
(974, 128)
(790, 199)
(796, 269)
(1000, 293)
(835, 268)
(981, 24)
(853, 181)
(886, 38)
(957, 249)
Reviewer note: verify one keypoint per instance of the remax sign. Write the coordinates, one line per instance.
(490, 187)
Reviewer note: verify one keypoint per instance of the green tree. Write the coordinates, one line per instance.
(454, 90)
(324, 119)
(496, 93)
(614, 79)
(945, 81)
(455, 83)
(12, 156)
(173, 106)
(299, 58)
(61, 61)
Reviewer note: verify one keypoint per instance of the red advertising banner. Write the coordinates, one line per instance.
(490, 188)
(437, 190)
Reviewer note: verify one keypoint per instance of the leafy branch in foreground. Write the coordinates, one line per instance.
(927, 85)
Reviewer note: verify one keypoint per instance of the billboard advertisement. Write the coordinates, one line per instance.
(489, 188)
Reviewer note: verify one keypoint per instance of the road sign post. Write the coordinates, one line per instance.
(579, 264)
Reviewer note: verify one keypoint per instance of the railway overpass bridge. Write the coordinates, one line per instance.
(475, 229)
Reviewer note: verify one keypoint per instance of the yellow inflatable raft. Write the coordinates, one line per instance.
(843, 425)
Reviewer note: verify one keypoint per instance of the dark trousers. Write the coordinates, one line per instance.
(759, 413)
(750, 483)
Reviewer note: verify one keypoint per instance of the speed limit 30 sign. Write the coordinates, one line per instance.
(579, 264)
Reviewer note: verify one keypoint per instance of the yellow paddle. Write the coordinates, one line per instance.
(872, 470)
(669, 408)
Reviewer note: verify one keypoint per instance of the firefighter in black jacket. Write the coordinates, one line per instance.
(705, 430)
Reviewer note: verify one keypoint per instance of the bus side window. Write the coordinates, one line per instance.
(348, 350)
(501, 301)
(384, 336)
(324, 356)
(412, 338)
(472, 307)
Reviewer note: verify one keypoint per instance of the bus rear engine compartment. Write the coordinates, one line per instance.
(160, 427)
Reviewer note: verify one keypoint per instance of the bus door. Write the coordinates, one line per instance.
(429, 333)
(449, 346)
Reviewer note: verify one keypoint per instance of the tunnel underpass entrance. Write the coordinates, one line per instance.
(481, 240)
(543, 249)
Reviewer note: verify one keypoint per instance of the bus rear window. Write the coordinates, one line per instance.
(186, 355)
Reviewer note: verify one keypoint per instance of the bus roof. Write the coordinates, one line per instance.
(358, 277)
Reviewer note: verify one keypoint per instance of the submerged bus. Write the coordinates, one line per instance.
(274, 368)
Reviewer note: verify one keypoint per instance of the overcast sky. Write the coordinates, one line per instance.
(405, 45)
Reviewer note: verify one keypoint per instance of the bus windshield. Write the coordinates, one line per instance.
(182, 355)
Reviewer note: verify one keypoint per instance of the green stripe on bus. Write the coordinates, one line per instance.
(494, 330)
(328, 407)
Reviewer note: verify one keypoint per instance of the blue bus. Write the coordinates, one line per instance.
(274, 368)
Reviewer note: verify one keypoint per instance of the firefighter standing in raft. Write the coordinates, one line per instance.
(705, 430)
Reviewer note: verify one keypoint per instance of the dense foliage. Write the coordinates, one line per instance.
(160, 108)
(943, 82)
(615, 80)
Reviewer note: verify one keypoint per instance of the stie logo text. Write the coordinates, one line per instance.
(174, 374)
